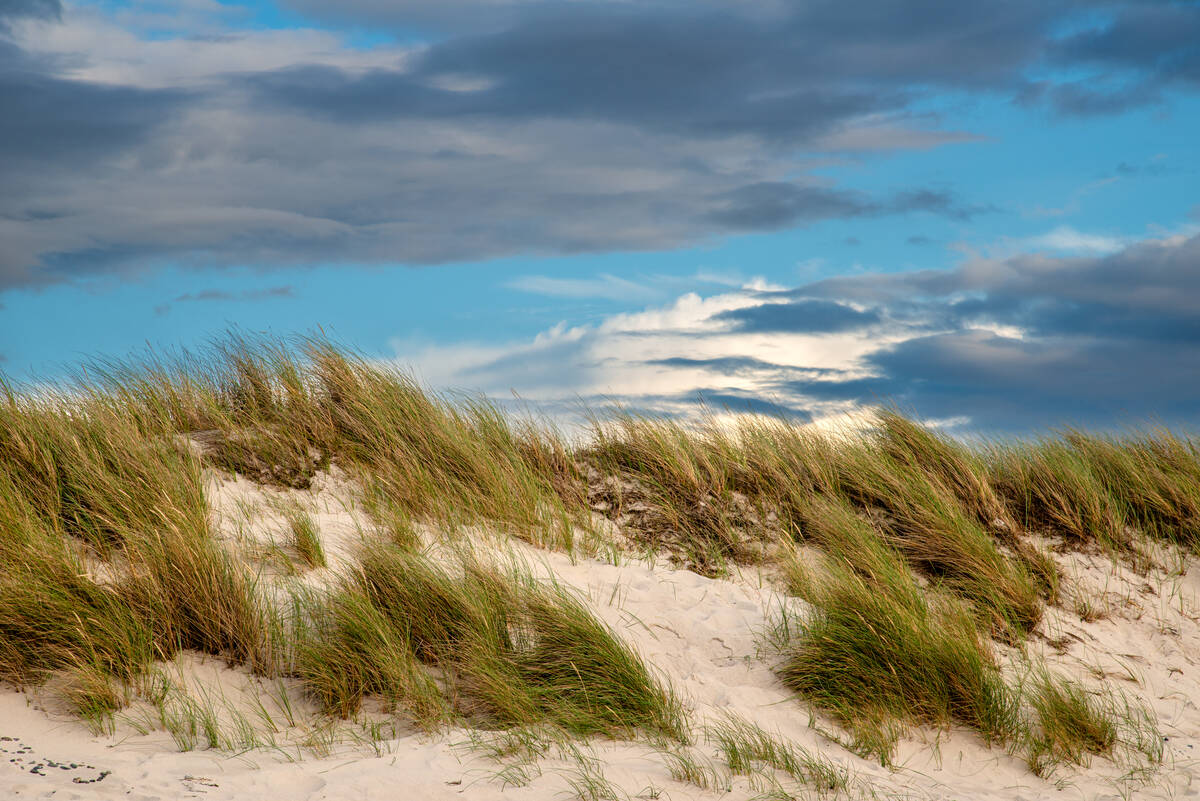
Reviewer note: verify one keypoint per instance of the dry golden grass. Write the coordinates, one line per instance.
(110, 563)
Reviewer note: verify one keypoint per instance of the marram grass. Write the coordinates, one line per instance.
(109, 564)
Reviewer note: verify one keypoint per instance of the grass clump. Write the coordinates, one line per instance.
(53, 617)
(675, 485)
(94, 471)
(879, 650)
(747, 748)
(92, 694)
(196, 597)
(109, 560)
(1154, 477)
(688, 767)
(509, 651)
(305, 538)
(441, 461)
(1069, 723)
(948, 464)
(351, 649)
(924, 521)
(1050, 487)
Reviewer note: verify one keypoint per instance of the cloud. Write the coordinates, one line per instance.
(1139, 51)
(1067, 238)
(36, 9)
(772, 205)
(223, 296)
(517, 127)
(603, 286)
(1017, 344)
(801, 316)
(248, 294)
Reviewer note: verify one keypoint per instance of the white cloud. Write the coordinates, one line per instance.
(104, 48)
(626, 359)
(606, 286)
(1068, 239)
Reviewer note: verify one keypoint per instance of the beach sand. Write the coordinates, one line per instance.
(704, 635)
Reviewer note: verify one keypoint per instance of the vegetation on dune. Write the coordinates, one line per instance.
(515, 651)
(109, 563)
(880, 650)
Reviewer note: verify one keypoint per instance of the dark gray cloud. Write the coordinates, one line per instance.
(1160, 39)
(1137, 52)
(222, 296)
(773, 205)
(724, 365)
(523, 127)
(1104, 341)
(746, 403)
(249, 294)
(800, 316)
(37, 9)
(1006, 385)
(51, 123)
(777, 68)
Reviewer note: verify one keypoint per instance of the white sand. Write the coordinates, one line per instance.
(702, 634)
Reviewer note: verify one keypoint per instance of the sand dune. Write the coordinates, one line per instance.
(705, 635)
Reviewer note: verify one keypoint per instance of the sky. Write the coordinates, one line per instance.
(985, 214)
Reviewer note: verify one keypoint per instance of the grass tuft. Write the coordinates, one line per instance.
(305, 538)
(1070, 723)
(879, 650)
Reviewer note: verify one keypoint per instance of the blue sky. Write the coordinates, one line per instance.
(985, 213)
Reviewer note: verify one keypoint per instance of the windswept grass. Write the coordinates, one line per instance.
(110, 565)
(921, 518)
(305, 538)
(1154, 477)
(676, 481)
(510, 651)
(1070, 722)
(880, 651)
(86, 490)
(748, 748)
(351, 649)
(1053, 488)
(52, 616)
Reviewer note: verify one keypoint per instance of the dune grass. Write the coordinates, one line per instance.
(506, 650)
(110, 565)
(1070, 722)
(85, 490)
(879, 651)
(305, 539)
(747, 749)
(515, 651)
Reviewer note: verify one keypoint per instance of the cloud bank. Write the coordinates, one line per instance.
(1001, 346)
(520, 127)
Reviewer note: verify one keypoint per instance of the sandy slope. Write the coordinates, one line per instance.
(701, 633)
